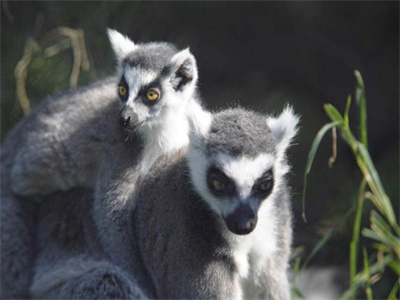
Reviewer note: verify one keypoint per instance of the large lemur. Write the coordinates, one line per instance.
(215, 222)
(76, 139)
(211, 221)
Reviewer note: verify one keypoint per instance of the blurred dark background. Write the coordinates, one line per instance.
(260, 55)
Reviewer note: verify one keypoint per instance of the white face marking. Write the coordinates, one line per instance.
(244, 171)
(164, 127)
(136, 78)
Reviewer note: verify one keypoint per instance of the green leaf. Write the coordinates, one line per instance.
(333, 113)
(393, 293)
(356, 231)
(361, 277)
(395, 266)
(374, 182)
(362, 107)
(346, 112)
(368, 290)
(296, 292)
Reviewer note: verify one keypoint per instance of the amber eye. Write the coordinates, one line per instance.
(265, 186)
(122, 91)
(152, 95)
(218, 185)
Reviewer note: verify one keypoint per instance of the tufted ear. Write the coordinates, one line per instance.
(121, 44)
(183, 70)
(199, 123)
(284, 128)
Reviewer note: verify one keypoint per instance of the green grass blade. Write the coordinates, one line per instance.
(395, 266)
(393, 293)
(333, 113)
(369, 233)
(368, 290)
(361, 277)
(296, 292)
(356, 231)
(383, 230)
(346, 112)
(310, 160)
(362, 107)
(375, 184)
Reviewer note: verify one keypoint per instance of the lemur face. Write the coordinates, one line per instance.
(155, 80)
(238, 186)
(237, 163)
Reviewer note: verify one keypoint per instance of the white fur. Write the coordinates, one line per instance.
(137, 77)
(166, 129)
(200, 122)
(121, 44)
(177, 60)
(252, 251)
(164, 137)
(198, 165)
(245, 170)
(284, 129)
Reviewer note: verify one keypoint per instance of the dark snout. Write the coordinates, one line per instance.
(242, 221)
(128, 119)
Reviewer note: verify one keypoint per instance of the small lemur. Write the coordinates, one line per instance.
(76, 139)
(215, 221)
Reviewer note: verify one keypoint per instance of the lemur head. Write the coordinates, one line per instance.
(237, 161)
(155, 81)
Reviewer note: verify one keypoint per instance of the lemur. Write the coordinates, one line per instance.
(215, 221)
(212, 220)
(76, 139)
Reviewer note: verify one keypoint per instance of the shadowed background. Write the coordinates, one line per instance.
(260, 55)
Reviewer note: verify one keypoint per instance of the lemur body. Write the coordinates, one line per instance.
(215, 221)
(77, 140)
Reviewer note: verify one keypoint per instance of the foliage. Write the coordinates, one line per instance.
(384, 231)
(50, 45)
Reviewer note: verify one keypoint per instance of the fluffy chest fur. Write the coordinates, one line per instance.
(251, 252)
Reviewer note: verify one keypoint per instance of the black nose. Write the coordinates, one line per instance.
(124, 121)
(242, 221)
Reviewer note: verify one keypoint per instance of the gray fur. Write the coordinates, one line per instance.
(185, 246)
(53, 148)
(71, 262)
(246, 127)
(75, 140)
(151, 56)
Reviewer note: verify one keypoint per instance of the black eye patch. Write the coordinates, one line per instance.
(218, 183)
(264, 184)
(123, 89)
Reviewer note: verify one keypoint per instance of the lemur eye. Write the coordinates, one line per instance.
(265, 186)
(122, 91)
(218, 185)
(152, 95)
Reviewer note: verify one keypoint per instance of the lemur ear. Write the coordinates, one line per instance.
(121, 44)
(284, 128)
(199, 122)
(184, 70)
